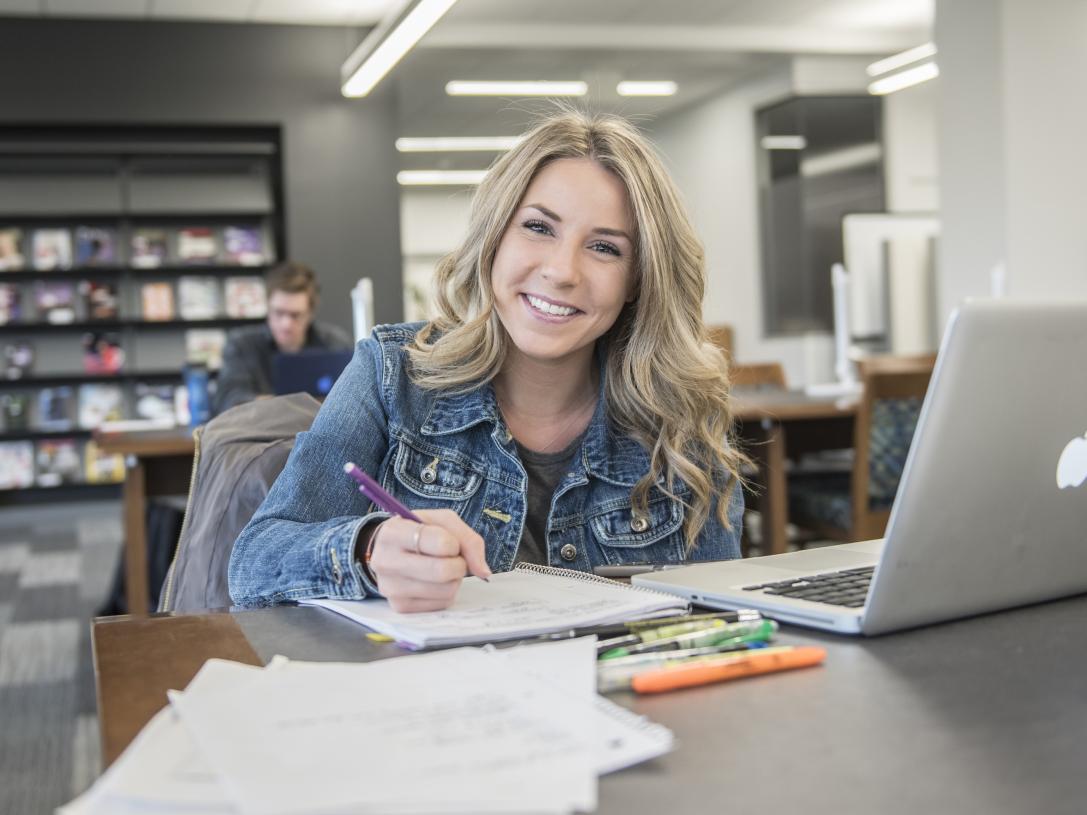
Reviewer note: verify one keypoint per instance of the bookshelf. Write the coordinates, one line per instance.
(142, 244)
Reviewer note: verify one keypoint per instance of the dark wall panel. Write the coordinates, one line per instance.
(339, 162)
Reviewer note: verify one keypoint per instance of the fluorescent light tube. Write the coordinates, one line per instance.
(783, 142)
(427, 178)
(643, 88)
(904, 79)
(902, 60)
(387, 44)
(461, 87)
(456, 144)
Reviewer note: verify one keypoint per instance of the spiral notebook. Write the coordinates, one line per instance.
(528, 601)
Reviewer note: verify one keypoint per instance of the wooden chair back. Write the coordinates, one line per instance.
(757, 375)
(889, 377)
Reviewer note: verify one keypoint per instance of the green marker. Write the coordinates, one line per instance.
(734, 633)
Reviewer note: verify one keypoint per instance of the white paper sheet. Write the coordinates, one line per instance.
(512, 605)
(163, 771)
(448, 732)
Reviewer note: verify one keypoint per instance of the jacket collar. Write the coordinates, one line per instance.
(605, 453)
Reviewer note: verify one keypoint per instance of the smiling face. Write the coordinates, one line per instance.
(564, 265)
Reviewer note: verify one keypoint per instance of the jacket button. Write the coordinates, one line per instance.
(568, 552)
(428, 475)
(639, 523)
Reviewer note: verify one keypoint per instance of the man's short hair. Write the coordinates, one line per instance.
(294, 278)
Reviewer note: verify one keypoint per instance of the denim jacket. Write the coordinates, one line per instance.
(434, 450)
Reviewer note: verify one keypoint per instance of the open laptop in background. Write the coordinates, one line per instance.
(313, 370)
(991, 511)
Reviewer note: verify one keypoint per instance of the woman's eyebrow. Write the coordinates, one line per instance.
(599, 230)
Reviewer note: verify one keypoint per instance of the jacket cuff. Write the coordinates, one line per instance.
(361, 580)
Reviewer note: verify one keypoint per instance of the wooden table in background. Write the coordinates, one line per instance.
(771, 423)
(157, 462)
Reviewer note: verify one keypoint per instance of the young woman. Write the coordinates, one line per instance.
(562, 408)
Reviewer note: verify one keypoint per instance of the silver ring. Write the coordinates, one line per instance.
(415, 538)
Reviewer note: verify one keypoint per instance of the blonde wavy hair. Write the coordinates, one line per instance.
(665, 385)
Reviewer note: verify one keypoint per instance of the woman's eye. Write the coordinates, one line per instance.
(606, 248)
(538, 227)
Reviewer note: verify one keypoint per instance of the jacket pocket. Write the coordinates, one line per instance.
(626, 536)
(436, 473)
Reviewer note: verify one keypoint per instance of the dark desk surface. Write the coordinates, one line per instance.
(987, 715)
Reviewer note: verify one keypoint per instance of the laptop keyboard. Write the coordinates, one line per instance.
(847, 588)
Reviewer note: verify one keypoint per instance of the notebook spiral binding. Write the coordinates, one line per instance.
(587, 577)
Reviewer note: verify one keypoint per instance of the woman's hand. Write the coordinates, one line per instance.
(419, 567)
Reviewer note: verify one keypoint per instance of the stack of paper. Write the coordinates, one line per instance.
(462, 731)
(527, 601)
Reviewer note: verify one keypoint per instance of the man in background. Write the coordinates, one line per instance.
(247, 358)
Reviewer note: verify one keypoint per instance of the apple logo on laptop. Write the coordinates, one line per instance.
(1072, 466)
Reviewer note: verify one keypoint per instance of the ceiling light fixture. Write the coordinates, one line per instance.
(904, 79)
(387, 44)
(462, 87)
(456, 144)
(647, 88)
(430, 178)
(783, 142)
(902, 60)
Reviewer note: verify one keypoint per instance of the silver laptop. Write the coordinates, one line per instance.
(991, 511)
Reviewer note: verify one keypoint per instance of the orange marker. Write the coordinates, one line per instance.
(686, 676)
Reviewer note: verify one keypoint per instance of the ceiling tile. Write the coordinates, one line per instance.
(210, 10)
(321, 12)
(97, 8)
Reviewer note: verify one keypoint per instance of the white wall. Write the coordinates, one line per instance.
(433, 221)
(1045, 119)
(971, 148)
(1011, 142)
(910, 133)
(710, 150)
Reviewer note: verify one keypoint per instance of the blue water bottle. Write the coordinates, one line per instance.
(196, 382)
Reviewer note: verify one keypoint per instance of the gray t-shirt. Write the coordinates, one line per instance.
(545, 471)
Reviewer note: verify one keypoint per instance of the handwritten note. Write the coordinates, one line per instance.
(516, 604)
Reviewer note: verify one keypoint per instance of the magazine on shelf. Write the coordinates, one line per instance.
(11, 249)
(52, 249)
(204, 346)
(155, 402)
(157, 301)
(149, 248)
(11, 303)
(58, 462)
(102, 468)
(100, 403)
(198, 298)
(17, 359)
(197, 245)
(99, 299)
(14, 411)
(95, 246)
(102, 353)
(243, 245)
(55, 301)
(16, 464)
(245, 297)
(56, 408)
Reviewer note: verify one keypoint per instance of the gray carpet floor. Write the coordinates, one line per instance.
(56, 563)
